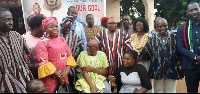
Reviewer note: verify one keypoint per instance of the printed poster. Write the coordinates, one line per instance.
(59, 9)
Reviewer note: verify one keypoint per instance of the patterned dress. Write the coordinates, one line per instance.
(14, 70)
(163, 57)
(138, 46)
(53, 55)
(114, 49)
(90, 33)
(99, 61)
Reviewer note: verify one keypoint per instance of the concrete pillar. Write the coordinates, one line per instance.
(149, 12)
(113, 9)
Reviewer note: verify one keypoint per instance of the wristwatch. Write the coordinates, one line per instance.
(195, 58)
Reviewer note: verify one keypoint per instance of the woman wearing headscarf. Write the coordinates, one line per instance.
(54, 56)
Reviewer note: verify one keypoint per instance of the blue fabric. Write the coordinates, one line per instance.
(78, 20)
(78, 29)
(107, 87)
(162, 65)
(188, 56)
(152, 32)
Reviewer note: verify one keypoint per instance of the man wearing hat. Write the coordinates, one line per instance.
(103, 22)
(114, 43)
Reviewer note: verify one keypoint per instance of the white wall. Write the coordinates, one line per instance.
(149, 12)
(113, 9)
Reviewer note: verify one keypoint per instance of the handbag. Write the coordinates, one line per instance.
(66, 88)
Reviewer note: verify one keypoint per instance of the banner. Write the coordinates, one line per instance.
(59, 9)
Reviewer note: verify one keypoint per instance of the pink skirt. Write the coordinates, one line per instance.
(51, 83)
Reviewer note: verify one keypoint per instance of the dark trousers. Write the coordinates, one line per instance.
(192, 77)
(71, 79)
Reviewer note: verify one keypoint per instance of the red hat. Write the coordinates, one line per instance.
(47, 21)
(104, 19)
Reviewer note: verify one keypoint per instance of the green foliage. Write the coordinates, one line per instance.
(172, 10)
(131, 7)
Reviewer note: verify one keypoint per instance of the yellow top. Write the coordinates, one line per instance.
(46, 70)
(139, 44)
(71, 61)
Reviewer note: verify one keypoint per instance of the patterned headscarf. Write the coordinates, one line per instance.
(47, 21)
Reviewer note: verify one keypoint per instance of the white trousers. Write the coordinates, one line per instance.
(165, 86)
(152, 90)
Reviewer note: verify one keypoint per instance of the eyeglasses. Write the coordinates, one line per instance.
(112, 23)
(139, 26)
(91, 46)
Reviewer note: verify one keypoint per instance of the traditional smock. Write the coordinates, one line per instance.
(163, 57)
(114, 49)
(14, 72)
(99, 61)
(90, 33)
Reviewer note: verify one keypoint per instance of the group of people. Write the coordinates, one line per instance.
(99, 59)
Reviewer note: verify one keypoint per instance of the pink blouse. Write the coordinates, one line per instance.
(53, 50)
(52, 55)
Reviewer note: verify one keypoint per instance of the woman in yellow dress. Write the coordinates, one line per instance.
(139, 39)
